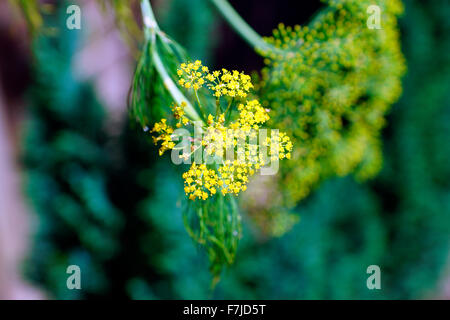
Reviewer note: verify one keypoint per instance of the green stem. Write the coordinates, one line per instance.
(176, 94)
(218, 109)
(148, 17)
(198, 100)
(242, 27)
(229, 105)
(151, 27)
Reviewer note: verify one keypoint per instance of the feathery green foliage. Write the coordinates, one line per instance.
(216, 225)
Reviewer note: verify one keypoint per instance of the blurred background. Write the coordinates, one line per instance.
(80, 185)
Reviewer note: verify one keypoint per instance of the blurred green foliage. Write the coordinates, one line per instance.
(192, 24)
(108, 205)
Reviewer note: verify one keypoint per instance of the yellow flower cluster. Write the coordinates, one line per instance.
(283, 146)
(252, 115)
(165, 135)
(222, 83)
(231, 84)
(192, 75)
(202, 181)
(214, 139)
(165, 131)
(178, 113)
(232, 177)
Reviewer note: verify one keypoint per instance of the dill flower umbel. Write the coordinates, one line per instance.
(224, 133)
(222, 83)
(336, 79)
(165, 132)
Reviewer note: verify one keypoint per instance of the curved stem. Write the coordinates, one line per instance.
(242, 27)
(199, 104)
(176, 94)
(151, 28)
(148, 16)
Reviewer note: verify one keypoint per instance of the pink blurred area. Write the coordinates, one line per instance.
(14, 220)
